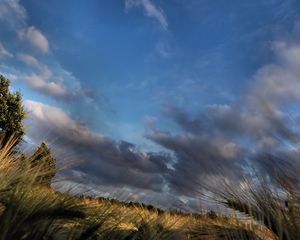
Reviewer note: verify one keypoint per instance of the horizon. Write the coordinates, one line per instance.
(158, 99)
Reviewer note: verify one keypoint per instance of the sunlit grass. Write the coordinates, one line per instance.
(29, 210)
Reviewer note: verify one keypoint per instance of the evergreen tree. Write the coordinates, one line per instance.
(45, 163)
(12, 112)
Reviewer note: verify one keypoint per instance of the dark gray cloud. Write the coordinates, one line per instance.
(220, 141)
(196, 158)
(105, 160)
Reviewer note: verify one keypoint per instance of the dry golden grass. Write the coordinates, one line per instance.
(32, 211)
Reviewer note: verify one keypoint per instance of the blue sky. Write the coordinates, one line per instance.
(154, 82)
(205, 54)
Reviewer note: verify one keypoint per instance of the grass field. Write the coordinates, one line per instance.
(30, 210)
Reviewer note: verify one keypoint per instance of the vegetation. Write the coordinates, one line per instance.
(273, 202)
(32, 211)
(42, 159)
(12, 112)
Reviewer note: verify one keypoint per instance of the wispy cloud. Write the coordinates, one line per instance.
(53, 89)
(4, 53)
(12, 12)
(164, 49)
(49, 79)
(30, 61)
(55, 83)
(35, 37)
(150, 10)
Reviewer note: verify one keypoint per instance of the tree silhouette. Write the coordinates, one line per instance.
(44, 163)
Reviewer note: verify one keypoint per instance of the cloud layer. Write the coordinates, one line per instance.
(223, 138)
(105, 160)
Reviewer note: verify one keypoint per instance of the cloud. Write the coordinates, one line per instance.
(50, 85)
(220, 140)
(12, 12)
(196, 158)
(4, 53)
(55, 83)
(43, 82)
(164, 49)
(51, 80)
(29, 60)
(107, 161)
(35, 37)
(150, 10)
(53, 89)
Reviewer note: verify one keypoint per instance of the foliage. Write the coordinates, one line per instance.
(43, 161)
(12, 112)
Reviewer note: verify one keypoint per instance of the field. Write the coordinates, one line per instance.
(30, 210)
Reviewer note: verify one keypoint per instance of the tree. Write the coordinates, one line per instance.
(44, 163)
(12, 112)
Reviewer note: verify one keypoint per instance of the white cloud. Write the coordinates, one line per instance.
(55, 118)
(150, 10)
(42, 82)
(35, 37)
(12, 73)
(4, 53)
(51, 80)
(278, 83)
(33, 62)
(56, 82)
(12, 12)
(50, 88)
(29, 60)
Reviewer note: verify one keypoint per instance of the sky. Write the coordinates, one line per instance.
(155, 98)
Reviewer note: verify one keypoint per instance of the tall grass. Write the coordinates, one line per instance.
(271, 200)
(29, 210)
